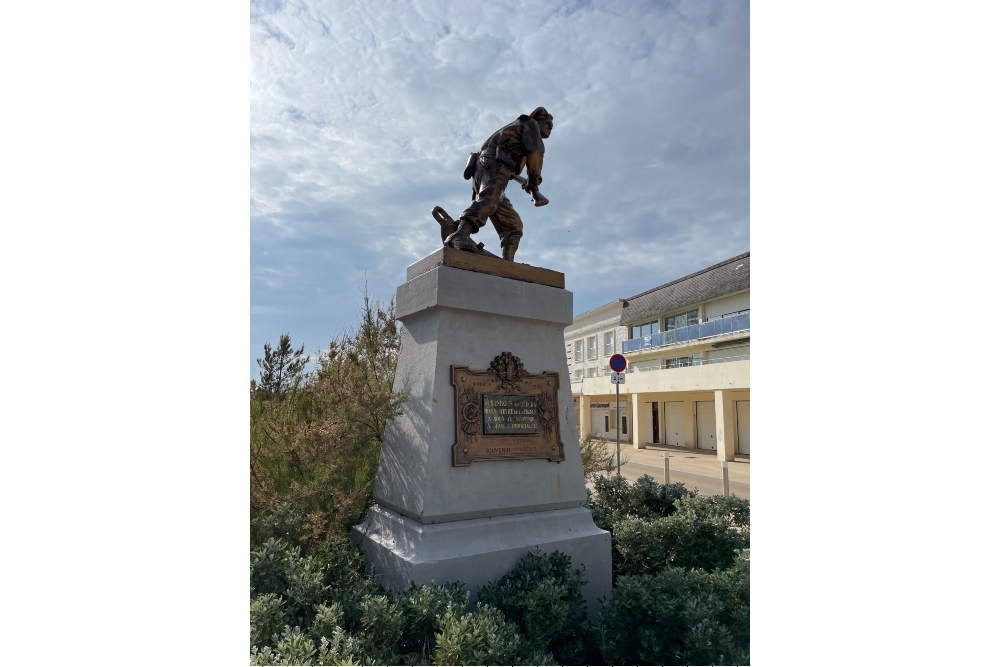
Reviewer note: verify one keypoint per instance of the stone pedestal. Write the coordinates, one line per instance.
(438, 522)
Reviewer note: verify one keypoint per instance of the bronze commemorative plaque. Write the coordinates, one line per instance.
(504, 413)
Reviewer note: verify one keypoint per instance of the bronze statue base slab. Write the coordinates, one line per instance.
(467, 261)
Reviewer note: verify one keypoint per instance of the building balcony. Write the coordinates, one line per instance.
(723, 326)
(727, 373)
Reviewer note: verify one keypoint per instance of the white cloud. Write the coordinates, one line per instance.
(363, 114)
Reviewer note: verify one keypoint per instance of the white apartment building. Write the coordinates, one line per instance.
(688, 348)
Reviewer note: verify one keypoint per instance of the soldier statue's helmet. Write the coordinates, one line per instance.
(540, 114)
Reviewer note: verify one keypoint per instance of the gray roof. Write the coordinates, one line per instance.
(716, 281)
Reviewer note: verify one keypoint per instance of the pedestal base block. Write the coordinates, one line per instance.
(478, 551)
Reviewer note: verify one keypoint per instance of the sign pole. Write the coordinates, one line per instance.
(618, 363)
(618, 430)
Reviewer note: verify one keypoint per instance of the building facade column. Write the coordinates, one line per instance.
(725, 425)
(585, 422)
(637, 427)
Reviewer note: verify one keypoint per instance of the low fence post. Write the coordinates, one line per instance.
(666, 468)
(725, 478)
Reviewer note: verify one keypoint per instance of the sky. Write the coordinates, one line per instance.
(363, 114)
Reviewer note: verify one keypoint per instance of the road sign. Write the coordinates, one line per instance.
(617, 363)
(617, 378)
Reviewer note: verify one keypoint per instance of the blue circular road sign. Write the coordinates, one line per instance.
(617, 363)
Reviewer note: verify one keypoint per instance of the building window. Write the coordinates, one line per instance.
(605, 423)
(592, 347)
(578, 350)
(624, 425)
(681, 362)
(578, 374)
(591, 372)
(647, 329)
(682, 320)
(609, 343)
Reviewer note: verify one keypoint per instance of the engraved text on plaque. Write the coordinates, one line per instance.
(510, 415)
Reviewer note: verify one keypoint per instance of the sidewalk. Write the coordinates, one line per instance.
(695, 468)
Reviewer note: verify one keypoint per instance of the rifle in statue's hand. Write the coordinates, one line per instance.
(537, 198)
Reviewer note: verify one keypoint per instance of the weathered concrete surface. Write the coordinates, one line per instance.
(478, 551)
(436, 522)
(466, 290)
(484, 316)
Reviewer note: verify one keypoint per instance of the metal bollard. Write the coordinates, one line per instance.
(725, 478)
(666, 468)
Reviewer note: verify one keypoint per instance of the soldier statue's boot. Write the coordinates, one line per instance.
(508, 251)
(461, 238)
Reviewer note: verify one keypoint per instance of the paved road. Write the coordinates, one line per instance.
(706, 485)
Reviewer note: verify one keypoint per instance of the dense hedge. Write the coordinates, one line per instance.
(681, 566)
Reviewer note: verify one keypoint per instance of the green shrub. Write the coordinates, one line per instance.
(595, 456)
(542, 597)
(616, 497)
(285, 523)
(654, 525)
(678, 617)
(267, 618)
(483, 637)
(688, 538)
(315, 444)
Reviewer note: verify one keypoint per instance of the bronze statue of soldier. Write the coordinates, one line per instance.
(501, 159)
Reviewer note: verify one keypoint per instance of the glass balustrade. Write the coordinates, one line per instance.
(723, 325)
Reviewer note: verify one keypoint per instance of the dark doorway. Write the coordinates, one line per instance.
(656, 423)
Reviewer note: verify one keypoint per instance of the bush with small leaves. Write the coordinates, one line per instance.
(542, 596)
(424, 608)
(295, 647)
(678, 617)
(483, 637)
(382, 622)
(658, 525)
(274, 568)
(687, 538)
(615, 498)
(285, 523)
(267, 617)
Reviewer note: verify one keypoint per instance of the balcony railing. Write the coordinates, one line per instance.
(604, 372)
(723, 325)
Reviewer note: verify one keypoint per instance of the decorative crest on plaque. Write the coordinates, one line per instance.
(546, 413)
(470, 413)
(509, 370)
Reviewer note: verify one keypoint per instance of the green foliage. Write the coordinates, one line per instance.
(679, 617)
(596, 457)
(315, 447)
(321, 607)
(616, 497)
(654, 526)
(694, 536)
(483, 637)
(281, 368)
(542, 597)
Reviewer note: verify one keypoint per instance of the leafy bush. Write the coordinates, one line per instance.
(617, 498)
(542, 597)
(679, 617)
(315, 444)
(323, 608)
(483, 637)
(654, 526)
